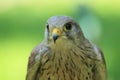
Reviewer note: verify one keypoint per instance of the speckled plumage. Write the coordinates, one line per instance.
(71, 57)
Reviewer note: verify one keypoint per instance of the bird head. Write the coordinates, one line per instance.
(63, 29)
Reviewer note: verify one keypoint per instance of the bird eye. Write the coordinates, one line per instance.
(68, 26)
(47, 26)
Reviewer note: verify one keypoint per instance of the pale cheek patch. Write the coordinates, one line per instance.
(41, 52)
(74, 31)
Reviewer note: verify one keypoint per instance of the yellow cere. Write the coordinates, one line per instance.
(56, 31)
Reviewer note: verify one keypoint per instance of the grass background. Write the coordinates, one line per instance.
(22, 24)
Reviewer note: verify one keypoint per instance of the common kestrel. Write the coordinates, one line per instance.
(65, 54)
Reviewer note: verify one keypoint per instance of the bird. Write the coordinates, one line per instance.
(65, 54)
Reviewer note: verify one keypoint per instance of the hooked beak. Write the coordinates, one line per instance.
(55, 34)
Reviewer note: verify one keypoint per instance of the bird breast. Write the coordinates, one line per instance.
(65, 64)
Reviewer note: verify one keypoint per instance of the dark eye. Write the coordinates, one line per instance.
(47, 32)
(47, 26)
(68, 26)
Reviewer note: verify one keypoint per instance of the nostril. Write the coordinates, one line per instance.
(58, 32)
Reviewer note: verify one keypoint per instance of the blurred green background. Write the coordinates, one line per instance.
(22, 24)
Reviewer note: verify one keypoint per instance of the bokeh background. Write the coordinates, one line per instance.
(22, 24)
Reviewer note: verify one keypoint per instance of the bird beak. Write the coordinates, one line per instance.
(56, 33)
